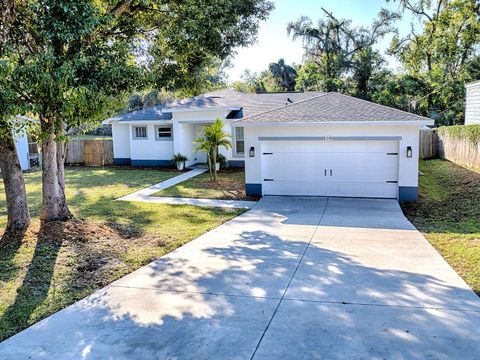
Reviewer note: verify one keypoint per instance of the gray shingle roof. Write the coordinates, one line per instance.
(250, 104)
(331, 107)
(147, 114)
(258, 103)
(279, 107)
(198, 102)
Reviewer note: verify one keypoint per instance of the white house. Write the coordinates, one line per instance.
(307, 143)
(472, 106)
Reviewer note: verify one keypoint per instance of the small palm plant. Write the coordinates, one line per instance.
(210, 140)
(179, 160)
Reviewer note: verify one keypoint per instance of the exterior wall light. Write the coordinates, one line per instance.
(252, 152)
(409, 152)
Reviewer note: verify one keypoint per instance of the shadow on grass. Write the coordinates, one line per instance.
(36, 284)
(9, 246)
(128, 219)
(66, 265)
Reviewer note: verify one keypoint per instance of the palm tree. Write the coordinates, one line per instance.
(203, 145)
(284, 74)
(210, 140)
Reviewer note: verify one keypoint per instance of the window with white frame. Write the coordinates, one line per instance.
(163, 132)
(239, 141)
(140, 132)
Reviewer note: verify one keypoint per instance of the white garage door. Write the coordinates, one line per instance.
(351, 168)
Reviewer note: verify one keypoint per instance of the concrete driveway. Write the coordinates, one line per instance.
(294, 278)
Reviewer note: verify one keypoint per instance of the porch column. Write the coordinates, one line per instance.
(184, 135)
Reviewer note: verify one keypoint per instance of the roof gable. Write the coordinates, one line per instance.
(332, 107)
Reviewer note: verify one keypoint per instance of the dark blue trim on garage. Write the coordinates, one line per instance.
(122, 161)
(253, 189)
(236, 163)
(408, 193)
(151, 163)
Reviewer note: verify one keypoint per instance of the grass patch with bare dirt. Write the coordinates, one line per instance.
(230, 186)
(448, 214)
(50, 267)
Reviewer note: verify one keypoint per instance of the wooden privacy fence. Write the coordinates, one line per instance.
(90, 152)
(447, 147)
(74, 152)
(428, 144)
(459, 150)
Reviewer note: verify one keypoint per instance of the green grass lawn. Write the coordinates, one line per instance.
(50, 268)
(230, 185)
(448, 213)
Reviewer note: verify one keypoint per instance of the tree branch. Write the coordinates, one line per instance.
(121, 7)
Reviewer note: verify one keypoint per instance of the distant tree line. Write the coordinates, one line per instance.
(436, 60)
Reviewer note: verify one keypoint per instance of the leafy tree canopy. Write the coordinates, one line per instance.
(334, 44)
(68, 60)
(250, 83)
(443, 55)
(437, 58)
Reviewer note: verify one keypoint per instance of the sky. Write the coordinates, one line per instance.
(273, 42)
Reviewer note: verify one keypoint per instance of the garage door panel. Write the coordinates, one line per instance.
(327, 160)
(374, 190)
(310, 159)
(362, 176)
(357, 160)
(293, 175)
(348, 146)
(330, 168)
(359, 167)
(344, 175)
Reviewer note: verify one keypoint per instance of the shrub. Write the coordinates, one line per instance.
(468, 132)
(222, 160)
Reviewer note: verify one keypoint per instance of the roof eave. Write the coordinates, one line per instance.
(202, 109)
(146, 121)
(473, 83)
(326, 123)
(110, 120)
(135, 121)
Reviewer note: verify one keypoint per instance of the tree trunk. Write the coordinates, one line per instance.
(215, 177)
(54, 202)
(209, 160)
(61, 151)
(17, 205)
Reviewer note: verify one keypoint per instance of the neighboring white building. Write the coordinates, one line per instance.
(21, 140)
(309, 144)
(21, 143)
(472, 103)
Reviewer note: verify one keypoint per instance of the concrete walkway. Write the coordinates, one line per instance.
(142, 194)
(237, 204)
(293, 278)
(145, 195)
